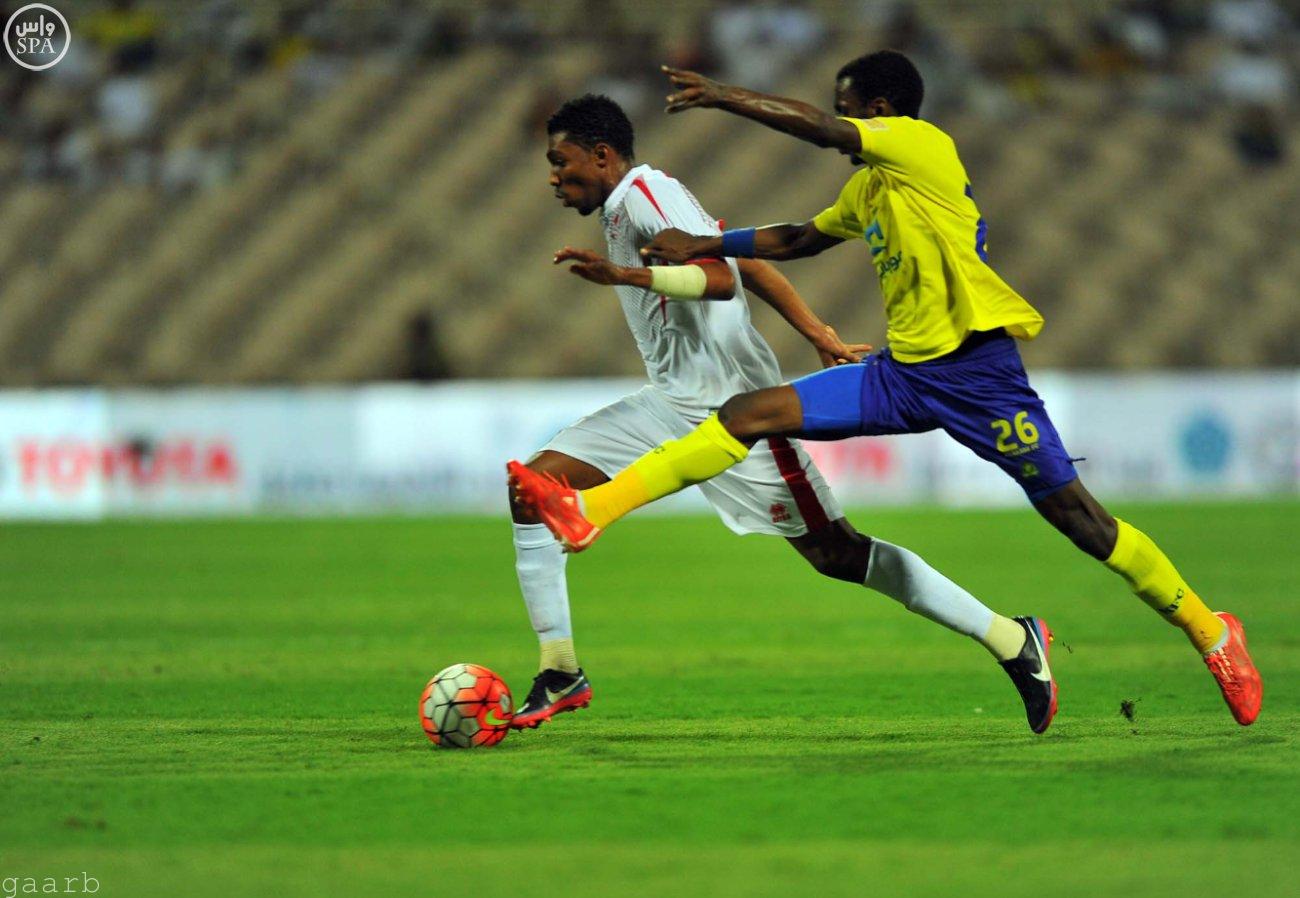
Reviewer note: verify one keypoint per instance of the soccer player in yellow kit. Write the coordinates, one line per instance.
(951, 363)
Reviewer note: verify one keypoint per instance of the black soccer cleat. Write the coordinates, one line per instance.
(553, 691)
(1032, 675)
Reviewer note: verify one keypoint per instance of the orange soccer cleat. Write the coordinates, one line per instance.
(1237, 677)
(556, 504)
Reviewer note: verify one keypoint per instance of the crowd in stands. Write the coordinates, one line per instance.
(1167, 57)
(239, 191)
(101, 113)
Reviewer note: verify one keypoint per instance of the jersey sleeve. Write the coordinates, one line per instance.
(841, 219)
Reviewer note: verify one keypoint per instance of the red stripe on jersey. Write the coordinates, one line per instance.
(787, 462)
(639, 183)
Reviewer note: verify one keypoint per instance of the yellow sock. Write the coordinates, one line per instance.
(705, 452)
(558, 654)
(1157, 582)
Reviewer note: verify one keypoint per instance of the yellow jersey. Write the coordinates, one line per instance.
(913, 205)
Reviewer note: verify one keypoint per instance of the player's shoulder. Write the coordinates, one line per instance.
(652, 187)
(912, 128)
(895, 127)
(658, 196)
(635, 190)
(907, 145)
(937, 135)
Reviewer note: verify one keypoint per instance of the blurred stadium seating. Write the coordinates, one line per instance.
(275, 192)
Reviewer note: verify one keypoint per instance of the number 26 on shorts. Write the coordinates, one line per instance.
(1024, 429)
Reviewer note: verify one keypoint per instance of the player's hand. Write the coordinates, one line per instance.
(671, 245)
(693, 90)
(591, 266)
(834, 351)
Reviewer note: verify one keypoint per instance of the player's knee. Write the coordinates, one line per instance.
(750, 417)
(739, 415)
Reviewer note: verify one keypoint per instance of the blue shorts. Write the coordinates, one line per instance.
(978, 394)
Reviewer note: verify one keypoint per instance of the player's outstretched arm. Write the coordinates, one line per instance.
(775, 289)
(707, 280)
(778, 242)
(793, 117)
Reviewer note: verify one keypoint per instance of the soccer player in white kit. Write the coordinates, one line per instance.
(692, 327)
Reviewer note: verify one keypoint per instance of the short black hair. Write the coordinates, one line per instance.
(592, 119)
(888, 74)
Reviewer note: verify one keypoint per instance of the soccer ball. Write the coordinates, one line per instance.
(466, 706)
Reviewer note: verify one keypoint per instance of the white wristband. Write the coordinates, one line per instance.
(678, 281)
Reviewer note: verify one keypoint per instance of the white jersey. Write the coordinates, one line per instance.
(697, 353)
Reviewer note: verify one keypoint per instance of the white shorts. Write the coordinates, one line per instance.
(776, 489)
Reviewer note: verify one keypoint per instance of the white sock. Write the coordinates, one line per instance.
(904, 576)
(539, 562)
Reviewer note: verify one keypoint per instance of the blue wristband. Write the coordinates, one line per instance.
(739, 243)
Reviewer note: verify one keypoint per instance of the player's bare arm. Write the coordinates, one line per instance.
(775, 289)
(778, 242)
(793, 117)
(592, 266)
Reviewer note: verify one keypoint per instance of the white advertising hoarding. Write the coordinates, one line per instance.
(52, 457)
(436, 449)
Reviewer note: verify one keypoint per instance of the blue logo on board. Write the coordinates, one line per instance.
(1206, 443)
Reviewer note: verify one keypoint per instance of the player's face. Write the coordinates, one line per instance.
(575, 174)
(847, 102)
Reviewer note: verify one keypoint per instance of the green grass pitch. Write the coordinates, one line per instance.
(229, 708)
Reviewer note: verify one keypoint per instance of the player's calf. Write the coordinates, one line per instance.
(1077, 514)
(836, 551)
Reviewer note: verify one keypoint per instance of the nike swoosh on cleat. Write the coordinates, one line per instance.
(552, 697)
(1045, 675)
